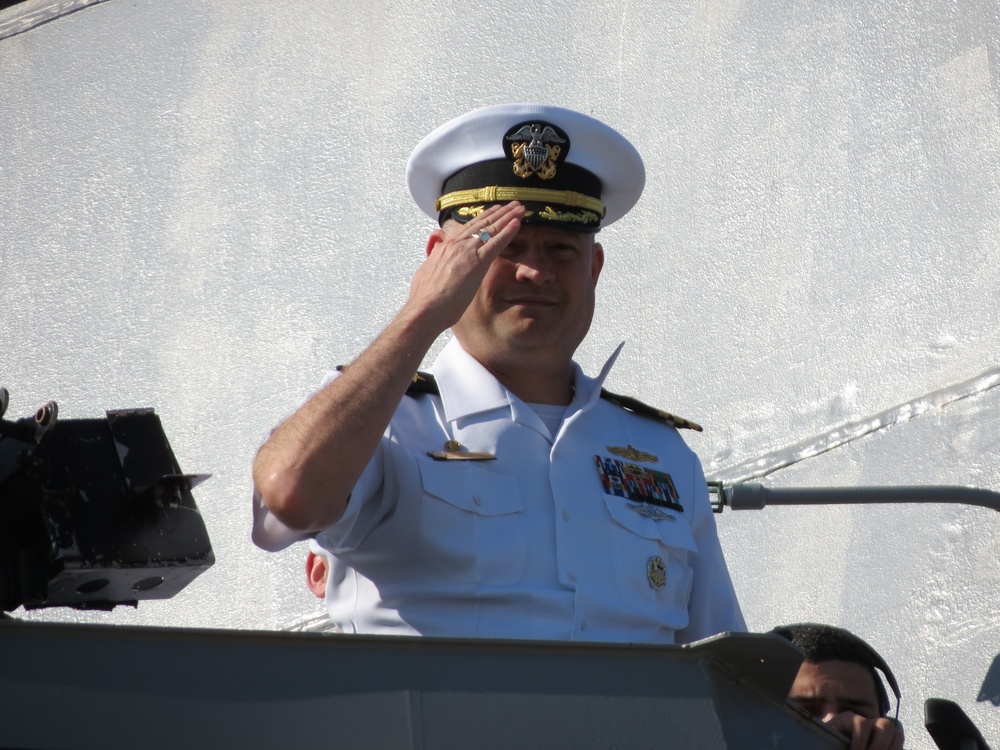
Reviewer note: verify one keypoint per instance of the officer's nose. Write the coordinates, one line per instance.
(534, 267)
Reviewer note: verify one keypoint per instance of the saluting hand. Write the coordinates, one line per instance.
(868, 734)
(457, 261)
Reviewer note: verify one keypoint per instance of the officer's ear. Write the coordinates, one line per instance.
(597, 261)
(317, 570)
(436, 238)
(440, 234)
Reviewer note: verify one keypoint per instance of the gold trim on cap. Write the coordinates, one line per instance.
(582, 217)
(498, 194)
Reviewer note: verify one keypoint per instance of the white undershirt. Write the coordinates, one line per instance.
(552, 415)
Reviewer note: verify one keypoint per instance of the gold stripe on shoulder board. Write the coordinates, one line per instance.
(636, 406)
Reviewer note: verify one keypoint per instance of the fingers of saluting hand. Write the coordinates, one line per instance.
(490, 232)
(458, 258)
(869, 734)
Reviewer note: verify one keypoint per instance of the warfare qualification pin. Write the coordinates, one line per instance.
(632, 454)
(455, 451)
(656, 572)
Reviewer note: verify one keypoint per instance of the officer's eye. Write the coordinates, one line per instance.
(564, 251)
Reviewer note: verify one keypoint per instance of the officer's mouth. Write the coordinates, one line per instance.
(531, 301)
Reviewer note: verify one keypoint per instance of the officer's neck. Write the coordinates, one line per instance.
(536, 385)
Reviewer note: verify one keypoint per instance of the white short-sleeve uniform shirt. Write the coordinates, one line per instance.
(533, 542)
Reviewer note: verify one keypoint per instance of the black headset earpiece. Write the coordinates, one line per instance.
(889, 678)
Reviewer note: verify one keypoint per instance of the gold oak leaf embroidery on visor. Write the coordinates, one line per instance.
(473, 211)
(583, 217)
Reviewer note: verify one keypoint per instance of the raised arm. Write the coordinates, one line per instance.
(306, 470)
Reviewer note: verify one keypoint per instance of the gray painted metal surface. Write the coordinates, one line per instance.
(202, 209)
(77, 686)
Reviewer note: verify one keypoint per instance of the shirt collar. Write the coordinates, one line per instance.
(469, 388)
(466, 386)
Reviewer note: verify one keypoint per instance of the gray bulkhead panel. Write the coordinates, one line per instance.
(90, 686)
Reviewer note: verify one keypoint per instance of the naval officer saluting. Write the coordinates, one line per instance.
(507, 494)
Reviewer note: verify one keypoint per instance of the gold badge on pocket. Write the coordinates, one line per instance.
(656, 572)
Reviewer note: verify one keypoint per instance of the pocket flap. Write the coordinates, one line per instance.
(468, 486)
(673, 533)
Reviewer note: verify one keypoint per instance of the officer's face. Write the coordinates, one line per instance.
(537, 299)
(833, 687)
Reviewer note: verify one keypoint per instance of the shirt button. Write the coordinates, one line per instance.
(583, 624)
(565, 515)
(478, 501)
(571, 578)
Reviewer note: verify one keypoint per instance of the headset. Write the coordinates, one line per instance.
(828, 643)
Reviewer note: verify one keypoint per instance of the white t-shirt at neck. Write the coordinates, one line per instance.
(552, 415)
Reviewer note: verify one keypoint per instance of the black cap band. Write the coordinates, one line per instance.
(570, 199)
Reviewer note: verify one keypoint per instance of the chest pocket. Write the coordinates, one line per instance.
(471, 524)
(651, 559)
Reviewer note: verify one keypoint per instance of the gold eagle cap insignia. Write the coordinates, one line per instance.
(632, 454)
(536, 148)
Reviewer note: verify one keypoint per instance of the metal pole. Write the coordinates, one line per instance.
(754, 496)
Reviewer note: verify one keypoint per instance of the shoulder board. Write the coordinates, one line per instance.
(644, 410)
(423, 382)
